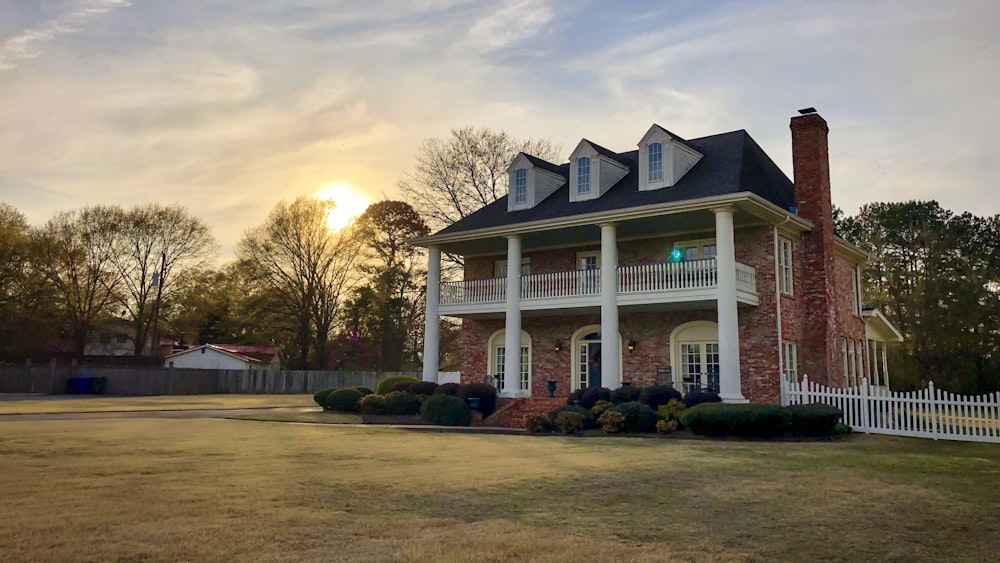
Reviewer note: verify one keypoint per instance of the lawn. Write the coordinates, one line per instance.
(228, 490)
(98, 403)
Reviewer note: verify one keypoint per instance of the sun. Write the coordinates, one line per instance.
(349, 203)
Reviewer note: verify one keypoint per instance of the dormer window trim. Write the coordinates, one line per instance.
(520, 186)
(654, 155)
(664, 168)
(583, 182)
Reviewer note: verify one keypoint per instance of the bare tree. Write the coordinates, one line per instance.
(457, 176)
(305, 268)
(155, 246)
(75, 250)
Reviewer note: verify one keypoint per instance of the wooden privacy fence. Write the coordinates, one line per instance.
(927, 413)
(52, 380)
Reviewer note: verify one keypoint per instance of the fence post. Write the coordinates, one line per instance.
(932, 393)
(804, 398)
(865, 405)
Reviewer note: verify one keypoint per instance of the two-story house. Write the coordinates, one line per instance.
(690, 261)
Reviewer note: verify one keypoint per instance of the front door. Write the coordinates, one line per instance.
(593, 364)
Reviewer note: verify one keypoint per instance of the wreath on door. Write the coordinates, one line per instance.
(595, 356)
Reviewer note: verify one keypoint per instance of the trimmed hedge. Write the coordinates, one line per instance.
(447, 389)
(589, 396)
(446, 410)
(422, 388)
(699, 396)
(658, 395)
(386, 385)
(487, 396)
(343, 400)
(588, 418)
(372, 404)
(365, 390)
(320, 396)
(761, 420)
(625, 394)
(401, 403)
(638, 417)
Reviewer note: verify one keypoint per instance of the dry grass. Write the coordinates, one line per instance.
(225, 490)
(160, 402)
(320, 417)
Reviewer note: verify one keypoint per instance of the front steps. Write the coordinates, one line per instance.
(510, 413)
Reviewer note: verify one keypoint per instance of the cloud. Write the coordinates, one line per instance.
(28, 44)
(513, 23)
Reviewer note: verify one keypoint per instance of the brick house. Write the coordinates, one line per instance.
(724, 273)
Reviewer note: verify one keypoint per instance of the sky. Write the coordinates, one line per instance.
(229, 106)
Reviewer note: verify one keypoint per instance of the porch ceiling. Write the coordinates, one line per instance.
(702, 220)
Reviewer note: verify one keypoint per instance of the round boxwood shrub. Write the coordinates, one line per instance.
(401, 403)
(638, 417)
(569, 422)
(372, 404)
(486, 393)
(365, 390)
(386, 385)
(447, 389)
(699, 396)
(343, 400)
(446, 410)
(320, 396)
(625, 394)
(589, 396)
(423, 388)
(658, 395)
(537, 424)
(588, 418)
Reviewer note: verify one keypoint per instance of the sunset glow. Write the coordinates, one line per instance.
(350, 203)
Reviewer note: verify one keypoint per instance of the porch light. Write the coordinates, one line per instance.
(558, 346)
(677, 255)
(631, 345)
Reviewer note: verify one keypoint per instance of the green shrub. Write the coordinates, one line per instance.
(589, 396)
(666, 426)
(365, 390)
(320, 396)
(422, 388)
(658, 395)
(487, 396)
(638, 417)
(588, 418)
(671, 411)
(611, 421)
(748, 421)
(446, 410)
(343, 400)
(813, 420)
(840, 429)
(569, 422)
(625, 394)
(599, 408)
(447, 389)
(699, 396)
(537, 424)
(386, 385)
(371, 404)
(401, 403)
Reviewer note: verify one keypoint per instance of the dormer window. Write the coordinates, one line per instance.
(583, 176)
(521, 186)
(655, 162)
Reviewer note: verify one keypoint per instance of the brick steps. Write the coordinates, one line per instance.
(510, 413)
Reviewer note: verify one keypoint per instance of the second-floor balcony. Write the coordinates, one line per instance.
(693, 282)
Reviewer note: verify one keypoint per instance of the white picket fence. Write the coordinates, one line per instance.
(927, 413)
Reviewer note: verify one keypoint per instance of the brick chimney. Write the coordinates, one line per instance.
(820, 356)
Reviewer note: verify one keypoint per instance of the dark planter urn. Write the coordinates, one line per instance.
(474, 403)
(551, 386)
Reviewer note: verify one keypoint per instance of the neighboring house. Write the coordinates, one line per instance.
(225, 356)
(695, 262)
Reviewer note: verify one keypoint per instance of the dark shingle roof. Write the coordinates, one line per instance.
(546, 165)
(732, 163)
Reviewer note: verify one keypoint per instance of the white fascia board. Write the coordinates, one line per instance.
(876, 316)
(850, 251)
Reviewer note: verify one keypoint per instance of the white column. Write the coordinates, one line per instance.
(432, 320)
(729, 334)
(611, 376)
(512, 330)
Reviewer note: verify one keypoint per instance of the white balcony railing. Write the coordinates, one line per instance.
(632, 279)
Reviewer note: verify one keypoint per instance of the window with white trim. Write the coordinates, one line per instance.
(790, 354)
(498, 359)
(583, 175)
(655, 153)
(521, 186)
(700, 365)
(785, 265)
(855, 292)
(500, 268)
(697, 249)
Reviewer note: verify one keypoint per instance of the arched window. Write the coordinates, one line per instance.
(694, 353)
(586, 351)
(498, 358)
(655, 153)
(521, 186)
(583, 175)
